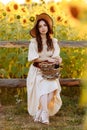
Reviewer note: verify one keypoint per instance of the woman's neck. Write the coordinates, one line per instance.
(43, 37)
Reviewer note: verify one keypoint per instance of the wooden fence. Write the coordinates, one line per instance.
(10, 83)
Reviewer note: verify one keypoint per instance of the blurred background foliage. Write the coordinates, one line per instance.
(14, 62)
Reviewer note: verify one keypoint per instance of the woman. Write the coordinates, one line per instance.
(43, 95)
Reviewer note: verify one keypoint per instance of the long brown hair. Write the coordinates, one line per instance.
(39, 40)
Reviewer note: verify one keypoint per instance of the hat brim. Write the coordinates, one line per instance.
(47, 18)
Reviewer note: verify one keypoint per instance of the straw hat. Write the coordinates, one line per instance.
(47, 18)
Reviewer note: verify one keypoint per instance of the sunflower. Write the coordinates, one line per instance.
(18, 16)
(32, 19)
(28, 2)
(59, 19)
(24, 11)
(15, 7)
(74, 10)
(4, 13)
(52, 7)
(11, 19)
(24, 21)
(77, 11)
(1, 17)
(8, 9)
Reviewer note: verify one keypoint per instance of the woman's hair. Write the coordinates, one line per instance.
(38, 37)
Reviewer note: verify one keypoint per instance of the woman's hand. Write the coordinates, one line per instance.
(56, 60)
(59, 60)
(51, 60)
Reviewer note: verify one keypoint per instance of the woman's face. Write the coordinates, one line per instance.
(43, 28)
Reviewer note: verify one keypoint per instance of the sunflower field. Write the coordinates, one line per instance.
(16, 20)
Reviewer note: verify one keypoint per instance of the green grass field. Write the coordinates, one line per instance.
(14, 116)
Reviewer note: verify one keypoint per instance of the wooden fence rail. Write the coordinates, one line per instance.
(12, 44)
(20, 83)
(13, 83)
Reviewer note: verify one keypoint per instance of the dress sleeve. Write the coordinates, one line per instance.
(32, 51)
(56, 52)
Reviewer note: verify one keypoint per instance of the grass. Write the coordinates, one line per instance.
(70, 117)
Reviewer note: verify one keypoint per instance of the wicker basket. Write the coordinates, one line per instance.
(50, 71)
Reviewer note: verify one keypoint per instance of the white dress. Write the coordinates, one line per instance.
(37, 85)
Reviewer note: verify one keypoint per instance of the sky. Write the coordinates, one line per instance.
(20, 1)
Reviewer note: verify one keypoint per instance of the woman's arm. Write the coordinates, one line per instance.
(58, 60)
(49, 59)
(40, 59)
